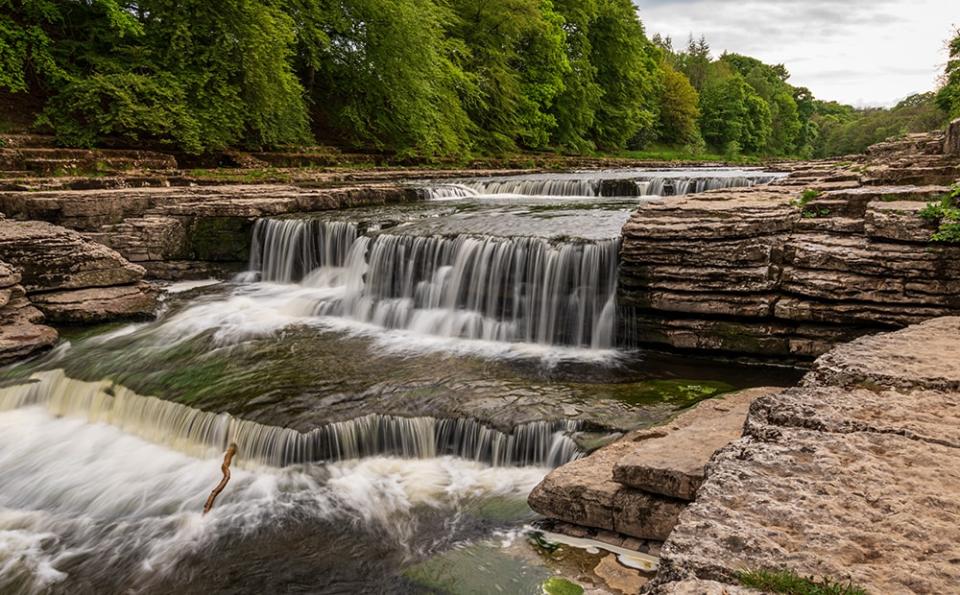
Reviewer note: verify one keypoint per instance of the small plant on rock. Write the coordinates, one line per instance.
(791, 583)
(945, 214)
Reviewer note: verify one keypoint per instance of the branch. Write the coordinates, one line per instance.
(227, 459)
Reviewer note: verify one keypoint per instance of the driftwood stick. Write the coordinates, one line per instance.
(227, 459)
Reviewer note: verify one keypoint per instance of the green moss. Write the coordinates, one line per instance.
(561, 586)
(680, 393)
(788, 582)
(220, 239)
(808, 195)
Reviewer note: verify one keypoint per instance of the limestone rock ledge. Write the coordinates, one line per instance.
(639, 485)
(179, 232)
(854, 476)
(21, 334)
(832, 252)
(72, 279)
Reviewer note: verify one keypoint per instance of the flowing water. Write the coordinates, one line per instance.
(396, 379)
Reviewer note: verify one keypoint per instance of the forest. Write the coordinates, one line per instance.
(417, 77)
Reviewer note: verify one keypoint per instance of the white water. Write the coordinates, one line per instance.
(618, 183)
(525, 290)
(203, 434)
(87, 495)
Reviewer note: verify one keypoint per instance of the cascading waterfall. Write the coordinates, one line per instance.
(667, 186)
(447, 191)
(204, 434)
(597, 185)
(498, 289)
(287, 249)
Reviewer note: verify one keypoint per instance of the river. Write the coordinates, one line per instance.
(397, 380)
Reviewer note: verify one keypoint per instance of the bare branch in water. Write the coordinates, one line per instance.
(227, 459)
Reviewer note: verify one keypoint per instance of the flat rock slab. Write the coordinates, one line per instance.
(926, 355)
(670, 461)
(124, 302)
(585, 492)
(879, 510)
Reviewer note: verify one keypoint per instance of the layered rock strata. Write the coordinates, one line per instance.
(21, 334)
(853, 476)
(71, 278)
(190, 231)
(639, 485)
(830, 253)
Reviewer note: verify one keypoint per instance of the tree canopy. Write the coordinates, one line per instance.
(426, 77)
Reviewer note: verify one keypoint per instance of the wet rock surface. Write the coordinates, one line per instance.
(792, 268)
(854, 476)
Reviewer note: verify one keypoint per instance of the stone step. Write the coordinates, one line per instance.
(585, 492)
(670, 461)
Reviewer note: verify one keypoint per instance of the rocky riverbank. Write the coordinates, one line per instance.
(834, 251)
(853, 476)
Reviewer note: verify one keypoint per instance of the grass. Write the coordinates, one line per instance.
(788, 582)
(806, 197)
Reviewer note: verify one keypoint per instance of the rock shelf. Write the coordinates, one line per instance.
(832, 252)
(853, 476)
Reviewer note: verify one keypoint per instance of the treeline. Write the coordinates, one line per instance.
(427, 77)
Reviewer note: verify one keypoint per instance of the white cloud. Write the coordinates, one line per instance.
(863, 52)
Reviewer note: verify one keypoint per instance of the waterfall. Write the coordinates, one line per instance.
(284, 250)
(447, 191)
(596, 185)
(204, 434)
(498, 289)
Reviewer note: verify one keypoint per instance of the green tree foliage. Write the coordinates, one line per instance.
(425, 77)
(515, 63)
(948, 99)
(845, 131)
(678, 109)
(382, 73)
(626, 64)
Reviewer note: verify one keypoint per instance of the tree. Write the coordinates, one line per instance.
(678, 109)
(626, 64)
(382, 73)
(948, 98)
(515, 61)
(575, 108)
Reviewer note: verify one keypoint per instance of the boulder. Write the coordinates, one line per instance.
(53, 258)
(21, 334)
(952, 144)
(71, 278)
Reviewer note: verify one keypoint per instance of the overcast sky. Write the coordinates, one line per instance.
(862, 52)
